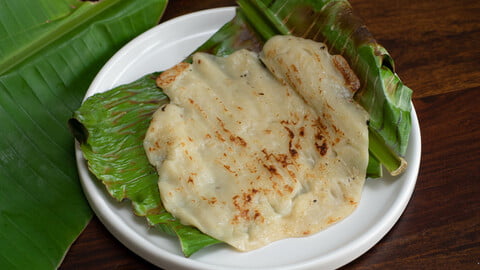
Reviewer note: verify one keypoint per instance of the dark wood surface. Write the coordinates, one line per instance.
(436, 46)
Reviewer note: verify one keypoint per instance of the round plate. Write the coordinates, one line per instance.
(382, 203)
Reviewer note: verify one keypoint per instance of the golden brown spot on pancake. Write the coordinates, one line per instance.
(288, 188)
(188, 155)
(233, 138)
(238, 140)
(229, 169)
(219, 136)
(294, 68)
(258, 216)
(332, 220)
(170, 75)
(351, 80)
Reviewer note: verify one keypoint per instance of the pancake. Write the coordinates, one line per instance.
(255, 148)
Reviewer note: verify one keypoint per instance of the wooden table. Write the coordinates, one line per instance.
(436, 46)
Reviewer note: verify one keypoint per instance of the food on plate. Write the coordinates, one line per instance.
(256, 148)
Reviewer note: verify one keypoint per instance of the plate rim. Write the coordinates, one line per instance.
(130, 238)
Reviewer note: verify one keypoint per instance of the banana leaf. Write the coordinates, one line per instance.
(254, 23)
(50, 50)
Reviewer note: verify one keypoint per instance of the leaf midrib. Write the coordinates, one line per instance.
(76, 20)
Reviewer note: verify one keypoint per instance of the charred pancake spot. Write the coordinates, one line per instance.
(228, 168)
(190, 180)
(293, 152)
(238, 140)
(271, 169)
(290, 132)
(283, 159)
(233, 138)
(235, 201)
(258, 216)
(247, 197)
(301, 131)
(243, 205)
(322, 149)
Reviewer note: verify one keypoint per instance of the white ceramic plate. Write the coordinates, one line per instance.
(382, 203)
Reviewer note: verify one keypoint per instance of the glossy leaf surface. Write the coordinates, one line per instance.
(50, 50)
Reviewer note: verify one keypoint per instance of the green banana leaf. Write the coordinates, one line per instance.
(50, 51)
(254, 23)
